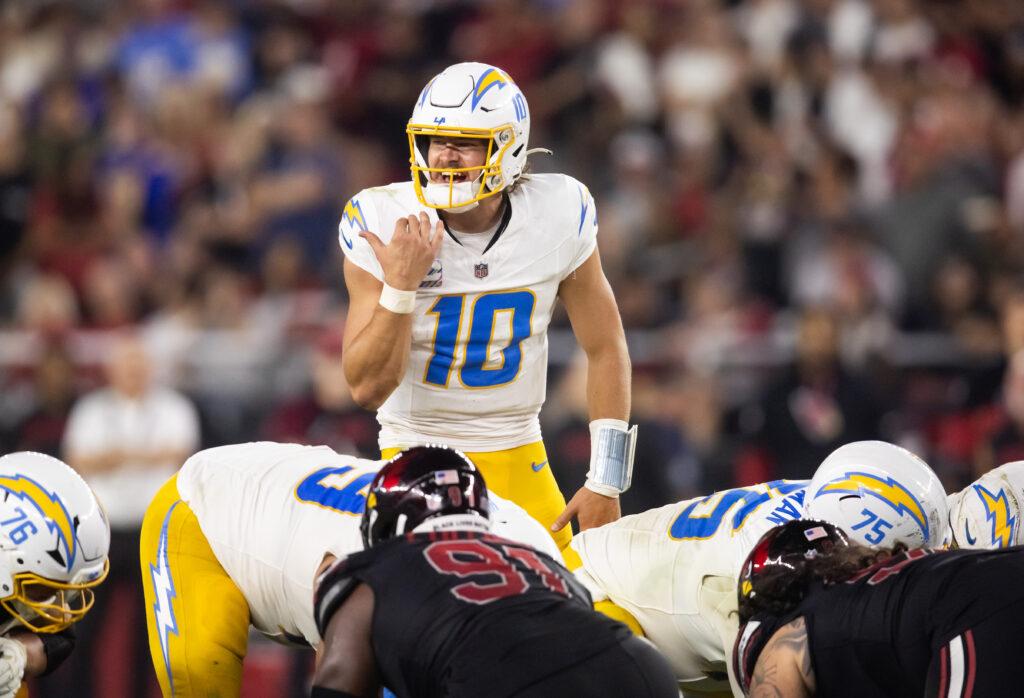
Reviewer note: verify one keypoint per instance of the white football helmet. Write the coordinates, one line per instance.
(880, 495)
(54, 539)
(986, 513)
(469, 100)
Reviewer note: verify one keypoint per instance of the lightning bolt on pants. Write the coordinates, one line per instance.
(522, 475)
(197, 618)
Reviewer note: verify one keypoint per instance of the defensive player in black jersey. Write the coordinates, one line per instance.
(825, 617)
(438, 606)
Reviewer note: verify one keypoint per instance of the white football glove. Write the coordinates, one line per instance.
(12, 666)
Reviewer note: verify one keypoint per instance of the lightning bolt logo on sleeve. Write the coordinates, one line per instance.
(997, 510)
(584, 205)
(353, 215)
(50, 506)
(163, 592)
(887, 490)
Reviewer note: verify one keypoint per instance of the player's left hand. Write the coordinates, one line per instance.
(590, 509)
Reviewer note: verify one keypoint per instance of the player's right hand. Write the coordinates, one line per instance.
(12, 666)
(406, 259)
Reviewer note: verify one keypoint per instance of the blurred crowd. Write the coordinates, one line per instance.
(811, 211)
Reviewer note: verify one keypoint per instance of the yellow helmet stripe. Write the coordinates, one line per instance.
(997, 509)
(488, 80)
(886, 489)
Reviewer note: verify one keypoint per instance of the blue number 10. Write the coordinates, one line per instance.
(473, 372)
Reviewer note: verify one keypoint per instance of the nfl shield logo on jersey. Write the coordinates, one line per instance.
(480, 270)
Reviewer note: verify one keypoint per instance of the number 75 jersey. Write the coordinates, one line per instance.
(477, 369)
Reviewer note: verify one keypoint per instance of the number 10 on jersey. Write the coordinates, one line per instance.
(514, 306)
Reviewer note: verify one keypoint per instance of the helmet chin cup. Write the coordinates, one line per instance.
(457, 197)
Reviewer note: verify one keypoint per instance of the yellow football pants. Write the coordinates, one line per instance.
(197, 618)
(522, 475)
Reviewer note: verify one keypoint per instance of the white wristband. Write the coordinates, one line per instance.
(401, 302)
(612, 443)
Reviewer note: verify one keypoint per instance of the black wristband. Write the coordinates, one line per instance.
(57, 647)
(321, 692)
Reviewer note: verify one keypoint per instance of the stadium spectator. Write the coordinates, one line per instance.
(54, 391)
(326, 415)
(126, 439)
(816, 405)
(1004, 441)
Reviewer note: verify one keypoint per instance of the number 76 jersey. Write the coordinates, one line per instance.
(476, 377)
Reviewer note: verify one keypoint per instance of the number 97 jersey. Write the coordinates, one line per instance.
(674, 569)
(477, 369)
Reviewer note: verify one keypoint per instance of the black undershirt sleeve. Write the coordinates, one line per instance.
(58, 647)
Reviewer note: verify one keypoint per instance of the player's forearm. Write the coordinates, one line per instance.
(609, 383)
(35, 653)
(375, 361)
(95, 462)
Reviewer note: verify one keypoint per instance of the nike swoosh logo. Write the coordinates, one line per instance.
(971, 540)
(537, 467)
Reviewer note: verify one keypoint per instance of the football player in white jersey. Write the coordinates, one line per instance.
(452, 280)
(986, 514)
(235, 538)
(54, 540)
(671, 572)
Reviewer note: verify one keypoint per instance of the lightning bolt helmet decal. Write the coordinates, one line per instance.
(997, 512)
(29, 492)
(885, 489)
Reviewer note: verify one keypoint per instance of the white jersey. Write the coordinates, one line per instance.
(477, 369)
(675, 569)
(270, 511)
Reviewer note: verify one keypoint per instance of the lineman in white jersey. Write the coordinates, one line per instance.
(236, 537)
(671, 572)
(452, 280)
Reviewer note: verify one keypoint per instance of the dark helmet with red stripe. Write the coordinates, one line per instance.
(775, 575)
(418, 484)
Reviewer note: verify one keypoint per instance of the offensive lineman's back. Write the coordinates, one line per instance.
(674, 570)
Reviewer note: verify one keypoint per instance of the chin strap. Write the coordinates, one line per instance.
(531, 151)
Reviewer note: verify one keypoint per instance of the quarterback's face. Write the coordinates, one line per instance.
(452, 152)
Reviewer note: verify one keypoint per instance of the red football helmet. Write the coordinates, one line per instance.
(772, 577)
(418, 484)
